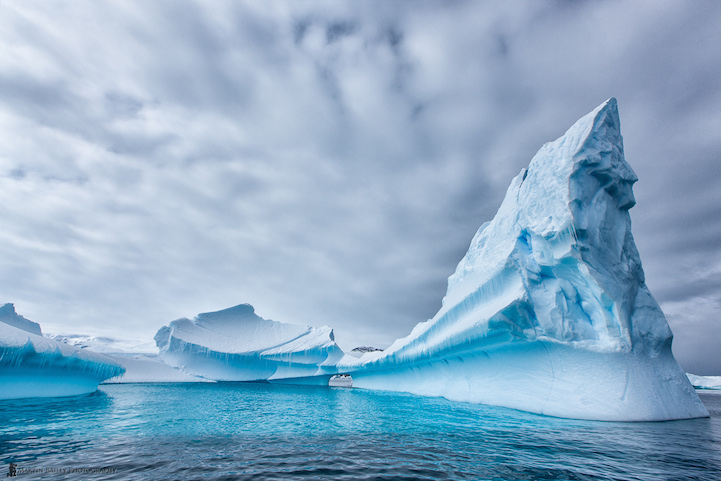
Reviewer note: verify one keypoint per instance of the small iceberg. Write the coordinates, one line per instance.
(548, 311)
(705, 382)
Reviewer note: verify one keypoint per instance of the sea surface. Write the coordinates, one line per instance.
(268, 431)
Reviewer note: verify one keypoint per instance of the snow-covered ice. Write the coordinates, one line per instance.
(106, 345)
(705, 382)
(34, 366)
(147, 368)
(548, 311)
(237, 345)
(139, 359)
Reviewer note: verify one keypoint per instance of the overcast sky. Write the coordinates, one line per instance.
(329, 162)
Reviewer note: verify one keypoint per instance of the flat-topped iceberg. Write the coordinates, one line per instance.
(705, 382)
(548, 311)
(237, 345)
(34, 366)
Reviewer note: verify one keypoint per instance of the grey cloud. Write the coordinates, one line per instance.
(330, 162)
(122, 105)
(337, 30)
(697, 327)
(17, 174)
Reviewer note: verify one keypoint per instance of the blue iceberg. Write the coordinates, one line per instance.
(548, 312)
(235, 344)
(34, 366)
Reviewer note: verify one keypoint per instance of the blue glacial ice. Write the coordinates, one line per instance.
(235, 344)
(34, 366)
(548, 312)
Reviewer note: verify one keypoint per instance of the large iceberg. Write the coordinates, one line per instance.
(548, 312)
(237, 345)
(34, 366)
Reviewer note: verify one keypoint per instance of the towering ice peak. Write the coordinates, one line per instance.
(235, 344)
(551, 196)
(548, 310)
(563, 233)
(12, 318)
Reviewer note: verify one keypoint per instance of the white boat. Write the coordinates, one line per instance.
(341, 380)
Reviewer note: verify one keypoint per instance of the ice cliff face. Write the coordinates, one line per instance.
(548, 311)
(237, 345)
(34, 366)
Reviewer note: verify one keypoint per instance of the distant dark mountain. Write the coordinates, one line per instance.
(364, 349)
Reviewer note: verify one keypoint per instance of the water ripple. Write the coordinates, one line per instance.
(271, 432)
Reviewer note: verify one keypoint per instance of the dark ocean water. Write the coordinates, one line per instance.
(267, 431)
